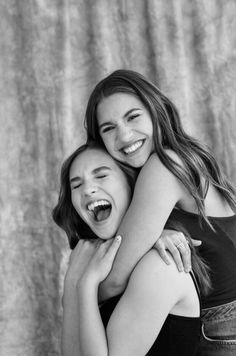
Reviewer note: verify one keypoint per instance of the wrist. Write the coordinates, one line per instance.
(71, 280)
(88, 282)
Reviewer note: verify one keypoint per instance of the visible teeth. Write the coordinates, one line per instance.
(133, 147)
(93, 205)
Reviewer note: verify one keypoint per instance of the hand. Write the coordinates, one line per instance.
(79, 259)
(177, 245)
(102, 260)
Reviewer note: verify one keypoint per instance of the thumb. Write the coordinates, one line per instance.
(196, 243)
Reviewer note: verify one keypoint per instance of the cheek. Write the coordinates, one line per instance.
(149, 128)
(148, 124)
(108, 140)
(110, 146)
(75, 203)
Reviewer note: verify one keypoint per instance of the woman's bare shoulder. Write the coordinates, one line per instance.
(155, 160)
(155, 173)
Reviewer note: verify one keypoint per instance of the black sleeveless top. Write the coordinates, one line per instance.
(219, 251)
(179, 336)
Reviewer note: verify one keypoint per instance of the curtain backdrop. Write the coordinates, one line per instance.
(52, 53)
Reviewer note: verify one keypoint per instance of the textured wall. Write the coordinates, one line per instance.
(52, 52)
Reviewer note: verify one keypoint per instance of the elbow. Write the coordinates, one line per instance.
(117, 286)
(112, 288)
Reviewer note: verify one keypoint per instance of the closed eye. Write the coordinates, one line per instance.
(107, 129)
(132, 117)
(76, 186)
(101, 176)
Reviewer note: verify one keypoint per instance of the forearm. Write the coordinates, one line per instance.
(92, 334)
(70, 326)
(156, 193)
(133, 247)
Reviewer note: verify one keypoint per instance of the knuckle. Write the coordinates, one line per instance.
(176, 233)
(176, 237)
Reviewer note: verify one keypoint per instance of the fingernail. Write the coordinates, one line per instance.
(118, 238)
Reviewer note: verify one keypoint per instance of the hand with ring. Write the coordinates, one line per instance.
(180, 245)
(177, 245)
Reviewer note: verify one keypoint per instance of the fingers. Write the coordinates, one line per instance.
(196, 243)
(110, 247)
(162, 252)
(177, 245)
(83, 248)
(102, 247)
(76, 251)
(175, 252)
(185, 252)
(113, 248)
(93, 251)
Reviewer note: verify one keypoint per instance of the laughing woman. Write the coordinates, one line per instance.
(159, 311)
(179, 179)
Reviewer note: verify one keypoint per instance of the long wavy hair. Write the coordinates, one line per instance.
(168, 133)
(67, 218)
(64, 213)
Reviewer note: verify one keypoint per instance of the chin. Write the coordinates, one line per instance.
(136, 164)
(104, 236)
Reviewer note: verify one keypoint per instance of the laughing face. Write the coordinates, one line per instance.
(126, 128)
(100, 192)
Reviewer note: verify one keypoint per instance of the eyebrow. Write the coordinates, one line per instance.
(124, 116)
(94, 171)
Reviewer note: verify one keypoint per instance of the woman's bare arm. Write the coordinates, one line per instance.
(132, 327)
(156, 193)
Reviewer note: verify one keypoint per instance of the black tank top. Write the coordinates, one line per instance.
(179, 335)
(219, 251)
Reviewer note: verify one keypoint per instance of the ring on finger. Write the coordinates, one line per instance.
(180, 245)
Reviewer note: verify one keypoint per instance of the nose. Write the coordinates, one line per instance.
(90, 189)
(124, 133)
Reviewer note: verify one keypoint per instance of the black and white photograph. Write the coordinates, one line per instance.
(118, 178)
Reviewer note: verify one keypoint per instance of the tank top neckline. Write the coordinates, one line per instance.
(226, 218)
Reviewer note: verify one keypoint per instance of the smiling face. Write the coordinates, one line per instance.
(126, 128)
(100, 192)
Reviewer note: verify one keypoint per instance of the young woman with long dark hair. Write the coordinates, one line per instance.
(159, 311)
(178, 179)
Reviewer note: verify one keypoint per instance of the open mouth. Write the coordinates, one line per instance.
(100, 210)
(133, 148)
